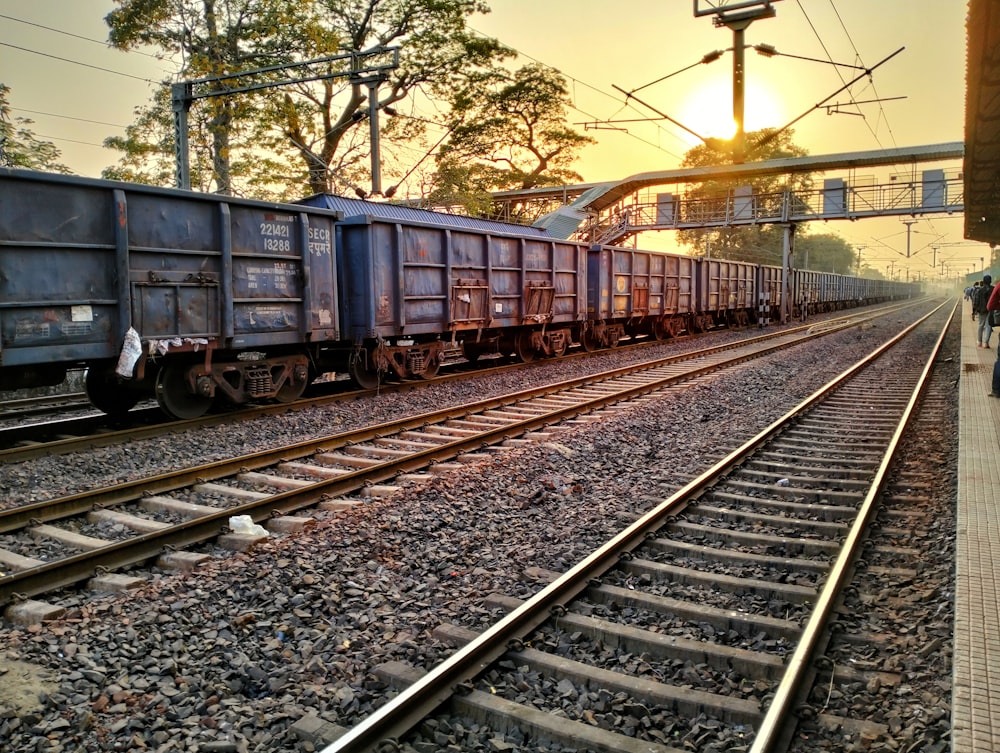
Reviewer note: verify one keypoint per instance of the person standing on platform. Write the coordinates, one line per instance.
(984, 330)
(993, 304)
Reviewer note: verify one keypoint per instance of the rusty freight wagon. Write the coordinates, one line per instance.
(726, 294)
(186, 296)
(417, 284)
(632, 292)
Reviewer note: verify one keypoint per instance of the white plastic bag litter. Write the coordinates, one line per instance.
(245, 524)
(131, 350)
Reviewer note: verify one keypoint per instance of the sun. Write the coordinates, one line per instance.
(708, 111)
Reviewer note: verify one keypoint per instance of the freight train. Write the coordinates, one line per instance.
(194, 298)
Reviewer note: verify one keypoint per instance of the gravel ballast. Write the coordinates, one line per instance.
(232, 656)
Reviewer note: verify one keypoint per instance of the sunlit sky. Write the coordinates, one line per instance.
(598, 45)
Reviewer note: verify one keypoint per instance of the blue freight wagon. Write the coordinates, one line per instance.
(413, 289)
(632, 292)
(154, 291)
(726, 294)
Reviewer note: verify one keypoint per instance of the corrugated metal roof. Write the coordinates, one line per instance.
(361, 208)
(566, 220)
(563, 222)
(981, 168)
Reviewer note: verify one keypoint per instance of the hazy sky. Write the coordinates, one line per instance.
(597, 44)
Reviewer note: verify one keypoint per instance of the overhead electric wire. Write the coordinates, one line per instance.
(72, 141)
(597, 91)
(68, 117)
(840, 75)
(882, 113)
(77, 62)
(75, 36)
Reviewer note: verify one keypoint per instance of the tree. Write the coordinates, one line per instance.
(19, 147)
(757, 243)
(871, 273)
(509, 133)
(212, 38)
(824, 252)
(148, 148)
(316, 133)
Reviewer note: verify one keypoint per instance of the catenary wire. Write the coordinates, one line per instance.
(68, 117)
(75, 36)
(77, 62)
(840, 75)
(597, 91)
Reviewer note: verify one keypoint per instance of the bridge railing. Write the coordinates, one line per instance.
(740, 206)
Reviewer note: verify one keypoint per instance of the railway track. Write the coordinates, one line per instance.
(68, 434)
(135, 522)
(755, 553)
(25, 407)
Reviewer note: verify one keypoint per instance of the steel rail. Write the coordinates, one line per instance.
(54, 509)
(63, 446)
(142, 547)
(411, 705)
(26, 405)
(774, 725)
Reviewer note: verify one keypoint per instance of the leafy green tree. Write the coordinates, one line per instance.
(211, 38)
(327, 123)
(19, 147)
(147, 148)
(460, 188)
(755, 243)
(824, 252)
(871, 272)
(509, 133)
(315, 134)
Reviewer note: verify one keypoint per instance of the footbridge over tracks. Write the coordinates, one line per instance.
(906, 183)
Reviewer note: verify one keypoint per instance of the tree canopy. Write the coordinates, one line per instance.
(824, 252)
(762, 244)
(509, 132)
(758, 243)
(315, 134)
(19, 147)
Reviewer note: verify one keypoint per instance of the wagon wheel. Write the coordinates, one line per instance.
(694, 324)
(106, 394)
(363, 375)
(523, 347)
(559, 349)
(293, 388)
(672, 326)
(660, 329)
(173, 396)
(589, 342)
(431, 369)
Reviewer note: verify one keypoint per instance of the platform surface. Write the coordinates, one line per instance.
(976, 698)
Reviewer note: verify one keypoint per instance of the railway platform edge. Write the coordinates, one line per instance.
(976, 657)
